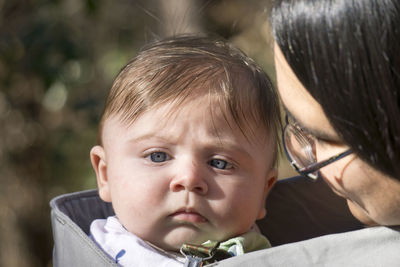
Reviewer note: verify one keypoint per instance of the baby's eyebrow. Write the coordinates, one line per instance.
(230, 147)
(149, 136)
(209, 144)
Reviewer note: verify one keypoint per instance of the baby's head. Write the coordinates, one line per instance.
(188, 142)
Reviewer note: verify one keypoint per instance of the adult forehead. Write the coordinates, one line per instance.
(298, 101)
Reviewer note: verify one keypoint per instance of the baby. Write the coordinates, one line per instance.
(186, 154)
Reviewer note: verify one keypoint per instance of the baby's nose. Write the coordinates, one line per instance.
(190, 178)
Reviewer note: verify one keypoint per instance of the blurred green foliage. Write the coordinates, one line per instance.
(57, 61)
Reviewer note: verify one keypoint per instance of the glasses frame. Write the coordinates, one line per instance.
(308, 171)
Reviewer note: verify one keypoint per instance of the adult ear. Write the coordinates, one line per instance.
(270, 180)
(99, 163)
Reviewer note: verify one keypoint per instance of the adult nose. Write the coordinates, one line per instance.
(190, 178)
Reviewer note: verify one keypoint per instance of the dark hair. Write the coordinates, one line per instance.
(182, 67)
(346, 53)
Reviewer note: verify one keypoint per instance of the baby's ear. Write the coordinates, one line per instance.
(99, 163)
(270, 180)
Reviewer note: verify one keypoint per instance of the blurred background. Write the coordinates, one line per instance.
(57, 61)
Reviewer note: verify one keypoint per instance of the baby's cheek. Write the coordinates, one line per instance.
(238, 216)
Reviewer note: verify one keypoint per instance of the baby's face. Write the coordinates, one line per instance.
(184, 177)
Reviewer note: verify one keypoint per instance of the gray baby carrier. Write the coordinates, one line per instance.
(297, 209)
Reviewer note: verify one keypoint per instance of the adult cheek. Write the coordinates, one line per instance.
(334, 183)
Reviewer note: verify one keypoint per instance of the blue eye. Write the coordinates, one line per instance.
(159, 156)
(220, 164)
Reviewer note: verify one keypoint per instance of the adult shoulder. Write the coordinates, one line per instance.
(375, 246)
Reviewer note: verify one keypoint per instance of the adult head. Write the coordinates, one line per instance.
(338, 72)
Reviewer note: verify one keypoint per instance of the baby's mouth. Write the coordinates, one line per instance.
(190, 216)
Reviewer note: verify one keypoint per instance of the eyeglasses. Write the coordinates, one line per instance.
(300, 150)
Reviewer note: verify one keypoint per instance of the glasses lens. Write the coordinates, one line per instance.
(299, 147)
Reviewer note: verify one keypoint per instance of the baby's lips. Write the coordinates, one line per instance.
(189, 216)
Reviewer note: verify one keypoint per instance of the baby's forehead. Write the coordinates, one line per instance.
(192, 110)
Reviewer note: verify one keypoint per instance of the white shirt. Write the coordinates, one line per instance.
(128, 249)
